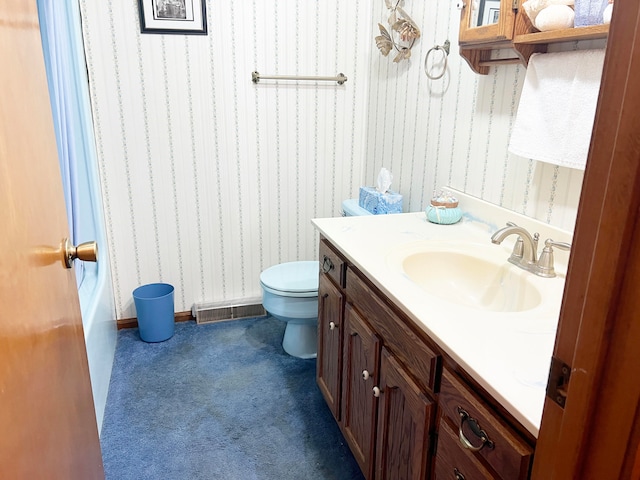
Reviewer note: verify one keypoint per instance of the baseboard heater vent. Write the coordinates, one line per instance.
(231, 310)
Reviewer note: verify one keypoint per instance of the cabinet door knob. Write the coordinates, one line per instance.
(332, 326)
(365, 375)
(376, 392)
(477, 431)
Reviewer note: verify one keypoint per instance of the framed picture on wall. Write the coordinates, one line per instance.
(173, 16)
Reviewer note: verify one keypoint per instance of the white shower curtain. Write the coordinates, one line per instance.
(62, 45)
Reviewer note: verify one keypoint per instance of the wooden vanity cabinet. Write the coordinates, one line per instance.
(386, 418)
(330, 327)
(388, 406)
(383, 379)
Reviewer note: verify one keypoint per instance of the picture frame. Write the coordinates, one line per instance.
(182, 17)
(489, 12)
(494, 15)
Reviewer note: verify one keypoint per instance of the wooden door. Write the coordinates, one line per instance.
(405, 418)
(360, 375)
(47, 417)
(597, 432)
(330, 328)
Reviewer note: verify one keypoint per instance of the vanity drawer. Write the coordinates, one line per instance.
(423, 363)
(455, 462)
(331, 263)
(510, 456)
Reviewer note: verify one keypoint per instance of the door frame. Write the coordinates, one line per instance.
(596, 434)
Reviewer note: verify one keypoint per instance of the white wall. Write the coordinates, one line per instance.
(454, 131)
(208, 179)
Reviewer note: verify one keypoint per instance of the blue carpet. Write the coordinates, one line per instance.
(219, 401)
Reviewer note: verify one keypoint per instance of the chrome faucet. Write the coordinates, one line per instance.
(525, 250)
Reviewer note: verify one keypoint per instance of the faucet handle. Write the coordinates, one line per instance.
(545, 263)
(560, 245)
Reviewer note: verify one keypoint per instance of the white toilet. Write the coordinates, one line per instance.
(290, 294)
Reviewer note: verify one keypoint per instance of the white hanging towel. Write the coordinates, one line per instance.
(557, 107)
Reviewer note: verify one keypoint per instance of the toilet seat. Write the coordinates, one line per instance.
(292, 279)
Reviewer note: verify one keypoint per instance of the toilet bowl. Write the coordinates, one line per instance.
(290, 294)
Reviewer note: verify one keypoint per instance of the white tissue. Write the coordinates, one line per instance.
(384, 180)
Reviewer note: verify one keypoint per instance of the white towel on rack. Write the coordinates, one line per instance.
(557, 107)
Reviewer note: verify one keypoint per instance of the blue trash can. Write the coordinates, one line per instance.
(154, 309)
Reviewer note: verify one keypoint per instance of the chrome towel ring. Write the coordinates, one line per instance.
(445, 55)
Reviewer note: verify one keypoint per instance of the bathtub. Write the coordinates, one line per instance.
(98, 320)
(95, 290)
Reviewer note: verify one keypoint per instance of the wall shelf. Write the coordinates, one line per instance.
(517, 35)
(568, 35)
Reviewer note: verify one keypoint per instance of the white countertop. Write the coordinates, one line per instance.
(508, 353)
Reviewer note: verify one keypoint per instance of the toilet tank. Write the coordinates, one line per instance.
(351, 208)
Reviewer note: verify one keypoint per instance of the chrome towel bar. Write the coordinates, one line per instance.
(256, 77)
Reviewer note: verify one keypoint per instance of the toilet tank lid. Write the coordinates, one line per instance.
(292, 276)
(352, 208)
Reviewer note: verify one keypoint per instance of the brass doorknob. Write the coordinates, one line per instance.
(87, 252)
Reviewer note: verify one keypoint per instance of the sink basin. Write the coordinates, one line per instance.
(472, 276)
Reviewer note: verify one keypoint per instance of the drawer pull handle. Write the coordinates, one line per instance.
(477, 431)
(332, 326)
(376, 392)
(458, 475)
(327, 264)
(365, 375)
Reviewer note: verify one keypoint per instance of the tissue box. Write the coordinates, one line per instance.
(380, 203)
(589, 12)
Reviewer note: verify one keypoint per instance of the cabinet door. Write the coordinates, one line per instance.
(329, 360)
(487, 21)
(405, 416)
(360, 375)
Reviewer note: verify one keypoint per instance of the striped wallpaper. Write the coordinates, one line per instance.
(455, 131)
(207, 179)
